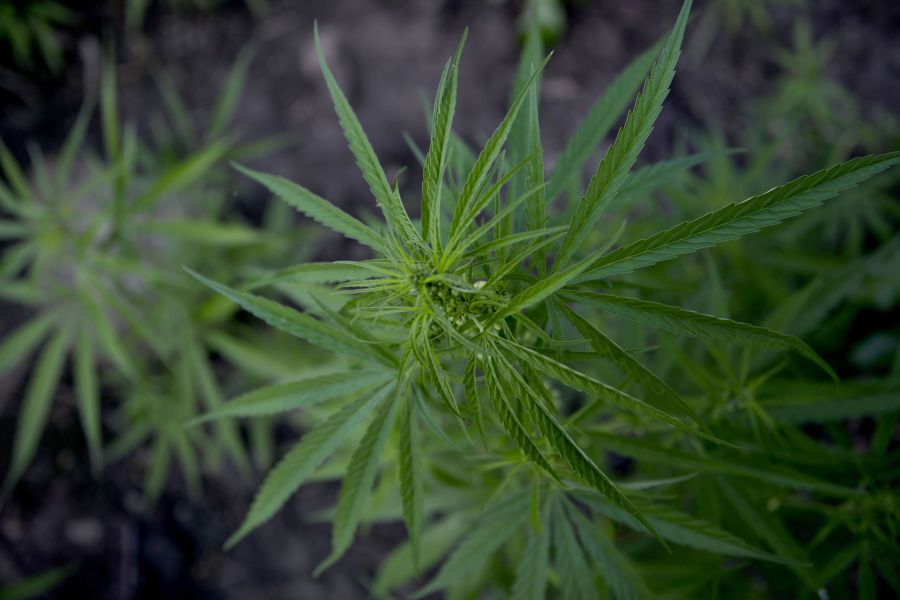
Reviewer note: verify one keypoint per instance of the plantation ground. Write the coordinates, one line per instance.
(384, 54)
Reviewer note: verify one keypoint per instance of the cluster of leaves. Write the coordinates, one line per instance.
(90, 241)
(502, 344)
(29, 29)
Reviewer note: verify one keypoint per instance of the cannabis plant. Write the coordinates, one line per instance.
(91, 239)
(30, 31)
(486, 378)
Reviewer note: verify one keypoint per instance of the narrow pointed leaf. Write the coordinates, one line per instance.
(493, 528)
(358, 481)
(621, 156)
(283, 397)
(36, 405)
(21, 342)
(595, 125)
(738, 220)
(653, 386)
(319, 209)
(296, 323)
(706, 327)
(412, 475)
(88, 396)
(296, 467)
(394, 212)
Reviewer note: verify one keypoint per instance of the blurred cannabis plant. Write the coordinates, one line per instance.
(92, 240)
(496, 312)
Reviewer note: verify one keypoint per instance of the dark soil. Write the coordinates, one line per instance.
(385, 54)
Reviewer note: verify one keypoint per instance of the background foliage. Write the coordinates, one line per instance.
(146, 352)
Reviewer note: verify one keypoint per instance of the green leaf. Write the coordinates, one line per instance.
(539, 290)
(316, 273)
(533, 567)
(653, 386)
(319, 209)
(411, 472)
(298, 324)
(737, 220)
(195, 231)
(316, 446)
(617, 569)
(685, 530)
(88, 397)
(21, 342)
(500, 394)
(595, 125)
(596, 389)
(814, 402)
(436, 160)
(108, 336)
(478, 176)
(706, 327)
(36, 586)
(614, 168)
(228, 99)
(767, 526)
(643, 182)
(400, 565)
(583, 465)
(496, 524)
(358, 481)
(182, 174)
(740, 465)
(389, 202)
(36, 405)
(284, 397)
(575, 576)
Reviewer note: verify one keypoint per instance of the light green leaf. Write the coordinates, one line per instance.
(500, 395)
(576, 581)
(21, 342)
(706, 327)
(583, 465)
(88, 397)
(228, 99)
(298, 324)
(533, 567)
(596, 389)
(358, 481)
(316, 446)
(817, 402)
(205, 232)
(741, 465)
(768, 527)
(400, 565)
(737, 220)
(317, 273)
(539, 290)
(283, 397)
(389, 202)
(411, 472)
(182, 174)
(319, 209)
(685, 530)
(478, 176)
(436, 159)
(496, 524)
(596, 124)
(36, 405)
(653, 386)
(617, 569)
(620, 157)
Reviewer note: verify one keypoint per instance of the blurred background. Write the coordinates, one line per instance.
(118, 120)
